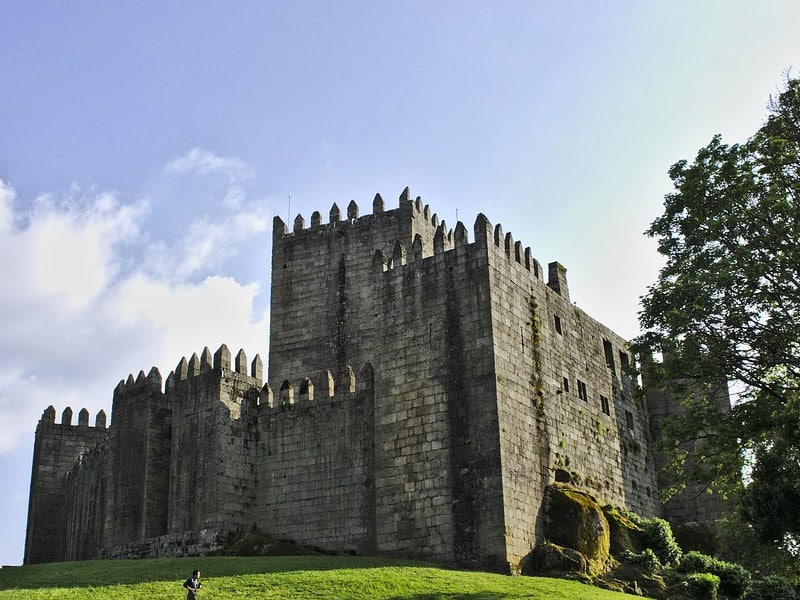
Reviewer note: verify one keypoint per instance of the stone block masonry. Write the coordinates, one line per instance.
(422, 391)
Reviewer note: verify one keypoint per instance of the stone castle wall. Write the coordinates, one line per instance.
(422, 391)
(58, 447)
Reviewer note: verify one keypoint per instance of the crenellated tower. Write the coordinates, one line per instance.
(57, 448)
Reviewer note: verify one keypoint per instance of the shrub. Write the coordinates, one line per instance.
(772, 587)
(646, 559)
(657, 535)
(695, 562)
(734, 579)
(703, 586)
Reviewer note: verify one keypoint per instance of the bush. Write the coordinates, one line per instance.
(772, 587)
(733, 579)
(646, 559)
(695, 562)
(703, 586)
(657, 535)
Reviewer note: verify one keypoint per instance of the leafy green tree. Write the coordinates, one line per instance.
(726, 307)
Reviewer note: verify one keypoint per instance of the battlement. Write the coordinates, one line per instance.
(220, 363)
(49, 418)
(327, 387)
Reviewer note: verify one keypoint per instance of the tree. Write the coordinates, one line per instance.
(726, 306)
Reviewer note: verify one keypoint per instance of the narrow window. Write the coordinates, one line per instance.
(558, 324)
(566, 384)
(629, 419)
(582, 391)
(609, 352)
(604, 405)
(623, 360)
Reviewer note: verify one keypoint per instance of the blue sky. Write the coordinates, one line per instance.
(145, 147)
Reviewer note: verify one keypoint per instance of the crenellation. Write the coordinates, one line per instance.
(100, 419)
(509, 245)
(240, 362)
(49, 415)
(194, 365)
(498, 235)
(66, 416)
(140, 378)
(83, 418)
(256, 369)
(299, 223)
(377, 205)
(206, 360)
(335, 215)
(316, 219)
(222, 359)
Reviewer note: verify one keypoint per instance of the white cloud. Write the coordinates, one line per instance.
(203, 163)
(81, 310)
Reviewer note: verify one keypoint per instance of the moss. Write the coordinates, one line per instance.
(575, 520)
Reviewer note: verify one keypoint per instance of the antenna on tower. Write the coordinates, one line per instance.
(289, 209)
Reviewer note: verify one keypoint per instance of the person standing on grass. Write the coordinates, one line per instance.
(192, 585)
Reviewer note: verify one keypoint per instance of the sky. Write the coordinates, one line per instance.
(145, 147)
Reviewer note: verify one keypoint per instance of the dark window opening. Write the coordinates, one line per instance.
(566, 384)
(629, 419)
(558, 324)
(624, 361)
(609, 352)
(604, 405)
(582, 391)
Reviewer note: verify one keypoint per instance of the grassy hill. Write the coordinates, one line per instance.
(287, 578)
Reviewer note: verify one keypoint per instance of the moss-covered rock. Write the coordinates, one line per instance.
(573, 519)
(553, 559)
(625, 534)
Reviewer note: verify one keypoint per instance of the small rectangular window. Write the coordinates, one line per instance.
(566, 384)
(629, 419)
(558, 324)
(582, 391)
(609, 352)
(623, 360)
(604, 405)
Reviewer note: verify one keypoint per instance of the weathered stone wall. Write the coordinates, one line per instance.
(86, 505)
(438, 463)
(138, 470)
(316, 466)
(550, 360)
(322, 311)
(57, 448)
(213, 451)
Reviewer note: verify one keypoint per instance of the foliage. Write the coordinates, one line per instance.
(646, 559)
(772, 587)
(738, 542)
(288, 578)
(657, 535)
(703, 586)
(726, 307)
(733, 579)
(695, 562)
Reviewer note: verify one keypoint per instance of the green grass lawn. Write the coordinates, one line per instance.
(287, 578)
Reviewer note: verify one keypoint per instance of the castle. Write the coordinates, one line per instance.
(422, 391)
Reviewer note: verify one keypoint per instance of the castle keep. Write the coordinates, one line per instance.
(422, 389)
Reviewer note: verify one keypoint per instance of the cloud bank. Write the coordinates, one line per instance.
(95, 286)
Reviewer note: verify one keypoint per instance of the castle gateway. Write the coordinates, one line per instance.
(422, 391)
